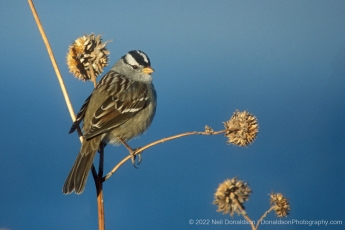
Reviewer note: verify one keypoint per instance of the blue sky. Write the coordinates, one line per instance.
(283, 61)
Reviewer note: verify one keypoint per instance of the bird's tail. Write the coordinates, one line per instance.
(76, 179)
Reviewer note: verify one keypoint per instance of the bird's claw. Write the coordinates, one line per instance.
(134, 156)
(131, 152)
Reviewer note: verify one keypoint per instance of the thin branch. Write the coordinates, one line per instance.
(93, 77)
(244, 214)
(264, 215)
(98, 178)
(139, 150)
(55, 66)
(249, 221)
(99, 187)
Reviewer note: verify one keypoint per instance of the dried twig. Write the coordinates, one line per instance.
(98, 181)
(139, 150)
(244, 214)
(263, 216)
(55, 66)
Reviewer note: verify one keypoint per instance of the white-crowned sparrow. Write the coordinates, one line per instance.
(122, 106)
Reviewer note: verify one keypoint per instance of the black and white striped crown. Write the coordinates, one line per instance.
(136, 57)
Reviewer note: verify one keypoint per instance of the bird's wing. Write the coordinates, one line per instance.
(80, 115)
(126, 99)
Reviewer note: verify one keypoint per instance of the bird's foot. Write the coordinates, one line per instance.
(131, 152)
(134, 156)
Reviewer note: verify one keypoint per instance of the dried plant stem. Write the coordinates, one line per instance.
(99, 188)
(264, 215)
(99, 191)
(56, 68)
(98, 177)
(98, 180)
(244, 214)
(93, 77)
(139, 150)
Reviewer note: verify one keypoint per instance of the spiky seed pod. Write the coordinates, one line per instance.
(86, 52)
(230, 191)
(244, 128)
(282, 206)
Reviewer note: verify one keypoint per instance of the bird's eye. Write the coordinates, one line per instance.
(134, 66)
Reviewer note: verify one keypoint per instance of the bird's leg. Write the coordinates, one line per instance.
(101, 147)
(132, 151)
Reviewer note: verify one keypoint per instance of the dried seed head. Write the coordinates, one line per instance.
(282, 206)
(231, 194)
(85, 53)
(242, 128)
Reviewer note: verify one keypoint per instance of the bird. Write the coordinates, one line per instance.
(121, 107)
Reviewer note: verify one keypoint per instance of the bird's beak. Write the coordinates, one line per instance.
(148, 70)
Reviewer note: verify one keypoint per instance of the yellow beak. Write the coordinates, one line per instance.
(148, 70)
